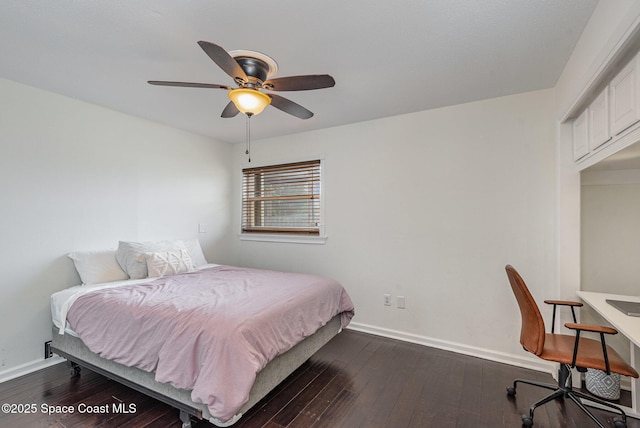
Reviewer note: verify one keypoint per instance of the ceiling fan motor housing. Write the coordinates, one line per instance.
(253, 67)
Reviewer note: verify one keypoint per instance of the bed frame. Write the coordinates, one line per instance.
(78, 355)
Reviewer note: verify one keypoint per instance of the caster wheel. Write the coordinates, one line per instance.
(619, 424)
(527, 421)
(74, 369)
(511, 391)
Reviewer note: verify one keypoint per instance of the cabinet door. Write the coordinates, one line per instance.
(625, 108)
(599, 120)
(581, 135)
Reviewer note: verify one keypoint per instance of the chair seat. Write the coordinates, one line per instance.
(559, 348)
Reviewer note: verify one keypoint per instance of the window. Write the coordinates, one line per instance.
(282, 199)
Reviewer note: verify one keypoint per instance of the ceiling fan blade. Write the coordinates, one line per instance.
(300, 83)
(224, 60)
(230, 110)
(188, 84)
(290, 107)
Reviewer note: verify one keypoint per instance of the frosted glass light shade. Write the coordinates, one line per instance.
(249, 101)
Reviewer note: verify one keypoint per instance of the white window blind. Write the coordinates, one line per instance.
(282, 198)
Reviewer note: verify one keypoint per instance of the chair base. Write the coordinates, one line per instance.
(564, 389)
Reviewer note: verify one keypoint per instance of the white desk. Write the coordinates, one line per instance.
(626, 325)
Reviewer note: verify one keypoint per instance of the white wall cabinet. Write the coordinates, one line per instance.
(625, 105)
(599, 131)
(613, 116)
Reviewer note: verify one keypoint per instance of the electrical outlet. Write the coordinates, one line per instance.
(401, 302)
(48, 353)
(387, 299)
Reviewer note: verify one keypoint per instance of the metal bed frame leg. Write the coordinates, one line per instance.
(74, 369)
(185, 418)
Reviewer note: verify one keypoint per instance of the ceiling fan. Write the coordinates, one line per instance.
(252, 72)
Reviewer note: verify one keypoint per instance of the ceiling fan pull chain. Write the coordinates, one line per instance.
(248, 150)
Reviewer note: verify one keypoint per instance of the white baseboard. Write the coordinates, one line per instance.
(487, 354)
(27, 368)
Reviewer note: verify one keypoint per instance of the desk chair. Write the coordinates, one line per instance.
(570, 351)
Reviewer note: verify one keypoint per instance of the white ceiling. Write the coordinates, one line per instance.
(388, 58)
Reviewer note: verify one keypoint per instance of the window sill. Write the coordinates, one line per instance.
(292, 239)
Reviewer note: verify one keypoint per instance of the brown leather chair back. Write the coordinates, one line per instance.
(532, 331)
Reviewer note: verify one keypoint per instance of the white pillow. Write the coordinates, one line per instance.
(95, 267)
(168, 263)
(195, 251)
(130, 255)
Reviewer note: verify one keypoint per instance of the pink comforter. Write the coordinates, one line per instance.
(209, 331)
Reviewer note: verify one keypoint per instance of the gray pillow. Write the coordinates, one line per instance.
(130, 255)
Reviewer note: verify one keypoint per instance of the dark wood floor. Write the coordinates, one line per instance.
(357, 380)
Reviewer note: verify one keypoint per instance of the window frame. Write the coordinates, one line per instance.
(285, 236)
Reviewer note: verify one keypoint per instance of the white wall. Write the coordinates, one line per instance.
(611, 231)
(75, 176)
(431, 206)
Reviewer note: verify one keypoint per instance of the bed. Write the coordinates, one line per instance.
(209, 340)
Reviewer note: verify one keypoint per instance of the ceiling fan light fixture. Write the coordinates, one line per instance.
(249, 101)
